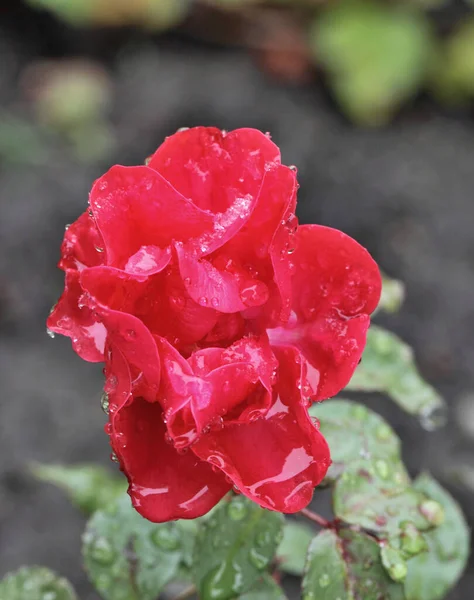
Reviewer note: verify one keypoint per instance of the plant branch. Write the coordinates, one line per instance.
(312, 516)
(186, 593)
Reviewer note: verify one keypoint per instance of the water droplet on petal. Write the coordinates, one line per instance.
(215, 302)
(203, 301)
(114, 458)
(254, 293)
(131, 333)
(51, 334)
(293, 168)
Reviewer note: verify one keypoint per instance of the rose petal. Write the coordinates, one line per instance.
(73, 318)
(148, 260)
(164, 485)
(207, 285)
(82, 245)
(136, 207)
(215, 168)
(160, 301)
(336, 285)
(276, 460)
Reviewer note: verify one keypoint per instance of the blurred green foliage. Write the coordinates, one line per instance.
(375, 55)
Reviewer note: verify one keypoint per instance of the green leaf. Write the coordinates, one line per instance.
(393, 562)
(233, 547)
(388, 366)
(376, 56)
(89, 487)
(265, 589)
(35, 583)
(376, 495)
(20, 141)
(127, 557)
(291, 553)
(432, 574)
(346, 566)
(352, 431)
(453, 76)
(393, 295)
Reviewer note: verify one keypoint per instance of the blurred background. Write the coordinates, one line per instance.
(372, 101)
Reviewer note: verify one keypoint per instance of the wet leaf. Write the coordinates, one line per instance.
(20, 141)
(35, 583)
(393, 562)
(127, 557)
(265, 589)
(233, 547)
(388, 366)
(376, 56)
(89, 487)
(433, 573)
(376, 494)
(291, 553)
(453, 76)
(347, 566)
(353, 431)
(393, 295)
(151, 14)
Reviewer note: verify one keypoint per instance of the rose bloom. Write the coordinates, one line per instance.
(219, 320)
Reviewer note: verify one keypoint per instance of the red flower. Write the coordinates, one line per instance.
(219, 320)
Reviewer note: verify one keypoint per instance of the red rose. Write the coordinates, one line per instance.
(219, 320)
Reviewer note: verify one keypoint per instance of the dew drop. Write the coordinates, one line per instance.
(293, 168)
(433, 417)
(382, 468)
(98, 249)
(203, 301)
(237, 509)
(222, 579)
(258, 560)
(131, 333)
(51, 334)
(102, 552)
(383, 432)
(166, 538)
(105, 403)
(432, 511)
(254, 293)
(360, 412)
(215, 302)
(263, 539)
(324, 580)
(114, 458)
